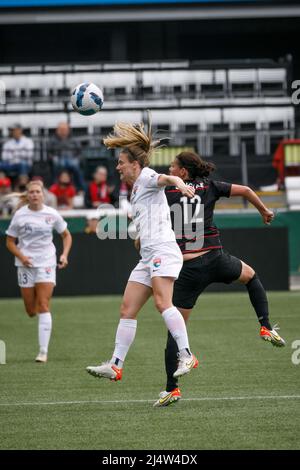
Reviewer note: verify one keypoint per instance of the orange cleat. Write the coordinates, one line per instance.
(272, 336)
(196, 363)
(118, 372)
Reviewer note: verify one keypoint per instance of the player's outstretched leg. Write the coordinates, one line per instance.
(172, 394)
(171, 362)
(135, 296)
(176, 325)
(124, 338)
(259, 301)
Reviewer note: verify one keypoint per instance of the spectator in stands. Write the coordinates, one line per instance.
(99, 192)
(5, 183)
(49, 198)
(17, 153)
(124, 196)
(5, 188)
(64, 152)
(21, 183)
(64, 191)
(91, 225)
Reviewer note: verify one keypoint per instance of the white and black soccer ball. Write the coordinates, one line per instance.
(87, 99)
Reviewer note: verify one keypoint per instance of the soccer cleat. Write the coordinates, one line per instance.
(185, 365)
(272, 336)
(167, 398)
(107, 370)
(41, 357)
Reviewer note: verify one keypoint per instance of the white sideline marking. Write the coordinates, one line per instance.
(107, 402)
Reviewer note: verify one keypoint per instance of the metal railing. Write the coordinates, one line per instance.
(264, 141)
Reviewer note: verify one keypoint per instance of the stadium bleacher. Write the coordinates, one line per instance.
(214, 107)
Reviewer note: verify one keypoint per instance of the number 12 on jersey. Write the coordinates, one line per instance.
(192, 222)
(192, 212)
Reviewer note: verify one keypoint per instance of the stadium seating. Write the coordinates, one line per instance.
(292, 185)
(209, 107)
(154, 81)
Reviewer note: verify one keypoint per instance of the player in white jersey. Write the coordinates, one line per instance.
(35, 256)
(161, 259)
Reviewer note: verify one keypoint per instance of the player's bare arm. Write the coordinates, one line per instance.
(12, 247)
(67, 243)
(137, 244)
(246, 192)
(168, 180)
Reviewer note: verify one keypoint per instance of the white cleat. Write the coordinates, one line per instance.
(185, 365)
(107, 370)
(41, 357)
(167, 398)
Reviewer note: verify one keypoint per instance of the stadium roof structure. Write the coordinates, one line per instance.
(143, 10)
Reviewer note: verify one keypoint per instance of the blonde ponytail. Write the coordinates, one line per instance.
(134, 141)
(23, 197)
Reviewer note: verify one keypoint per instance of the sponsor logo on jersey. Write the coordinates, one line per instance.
(28, 228)
(49, 220)
(195, 185)
(156, 262)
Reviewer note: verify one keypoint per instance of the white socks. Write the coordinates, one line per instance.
(127, 328)
(124, 338)
(176, 325)
(45, 326)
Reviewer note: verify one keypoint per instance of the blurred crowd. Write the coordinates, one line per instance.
(69, 188)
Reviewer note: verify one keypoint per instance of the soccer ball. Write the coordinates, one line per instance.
(87, 99)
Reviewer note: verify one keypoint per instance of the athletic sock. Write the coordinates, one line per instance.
(258, 298)
(45, 327)
(171, 362)
(117, 362)
(124, 338)
(176, 325)
(185, 352)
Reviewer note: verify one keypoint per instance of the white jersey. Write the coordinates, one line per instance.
(150, 210)
(18, 151)
(33, 229)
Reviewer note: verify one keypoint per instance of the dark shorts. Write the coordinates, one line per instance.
(197, 273)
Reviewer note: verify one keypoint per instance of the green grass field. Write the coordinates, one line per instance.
(244, 395)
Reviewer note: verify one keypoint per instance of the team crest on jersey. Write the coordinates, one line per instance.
(156, 262)
(135, 188)
(49, 220)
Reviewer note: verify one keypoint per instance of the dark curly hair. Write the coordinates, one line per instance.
(194, 164)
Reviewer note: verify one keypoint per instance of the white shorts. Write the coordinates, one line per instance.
(164, 260)
(28, 277)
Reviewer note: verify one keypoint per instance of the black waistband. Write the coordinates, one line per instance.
(207, 256)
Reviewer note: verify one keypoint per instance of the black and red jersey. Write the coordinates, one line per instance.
(207, 192)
